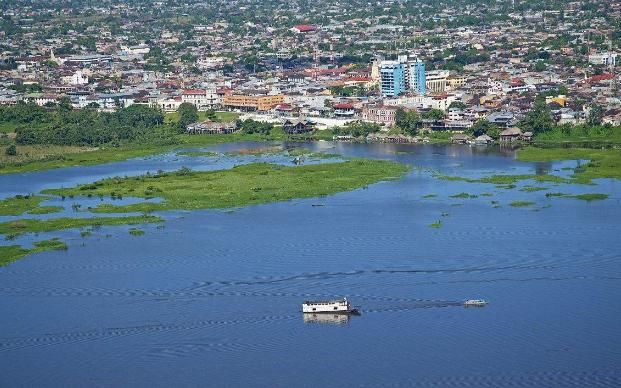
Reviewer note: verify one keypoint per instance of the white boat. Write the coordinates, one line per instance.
(339, 306)
(475, 302)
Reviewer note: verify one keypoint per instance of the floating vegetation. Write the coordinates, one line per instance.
(19, 204)
(11, 253)
(530, 189)
(256, 151)
(486, 195)
(301, 151)
(583, 197)
(22, 226)
(136, 232)
(436, 225)
(589, 197)
(445, 214)
(46, 210)
(521, 203)
(242, 185)
(430, 196)
(198, 153)
(464, 195)
(604, 163)
(502, 180)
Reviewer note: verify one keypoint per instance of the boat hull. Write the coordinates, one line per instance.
(328, 307)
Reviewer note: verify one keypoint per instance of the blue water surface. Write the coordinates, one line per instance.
(213, 297)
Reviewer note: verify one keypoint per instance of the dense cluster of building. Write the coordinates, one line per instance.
(285, 61)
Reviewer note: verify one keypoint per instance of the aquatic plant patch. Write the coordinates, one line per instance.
(602, 163)
(20, 204)
(11, 253)
(22, 226)
(242, 185)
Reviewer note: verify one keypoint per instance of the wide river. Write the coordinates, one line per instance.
(213, 298)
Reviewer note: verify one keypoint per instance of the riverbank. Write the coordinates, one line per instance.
(240, 186)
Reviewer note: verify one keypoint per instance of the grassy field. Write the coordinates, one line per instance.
(242, 185)
(33, 153)
(8, 127)
(223, 117)
(603, 163)
(20, 204)
(17, 227)
(49, 157)
(11, 253)
(46, 210)
(73, 156)
(580, 135)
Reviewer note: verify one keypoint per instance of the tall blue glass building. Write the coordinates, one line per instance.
(392, 78)
(418, 80)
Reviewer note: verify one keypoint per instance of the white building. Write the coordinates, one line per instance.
(441, 102)
(605, 59)
(437, 80)
(140, 49)
(77, 78)
(203, 99)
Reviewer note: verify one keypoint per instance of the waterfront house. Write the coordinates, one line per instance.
(292, 126)
(210, 128)
(483, 140)
(510, 135)
(460, 138)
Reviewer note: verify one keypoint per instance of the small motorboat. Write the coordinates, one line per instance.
(339, 306)
(475, 302)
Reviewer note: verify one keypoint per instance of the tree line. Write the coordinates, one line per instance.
(62, 125)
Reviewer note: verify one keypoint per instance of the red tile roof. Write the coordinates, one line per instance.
(358, 79)
(305, 28)
(194, 91)
(601, 77)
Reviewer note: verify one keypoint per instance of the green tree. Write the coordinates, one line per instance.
(407, 121)
(64, 103)
(434, 114)
(484, 127)
(252, 126)
(188, 114)
(538, 120)
(595, 115)
(11, 150)
(457, 104)
(540, 66)
(211, 115)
